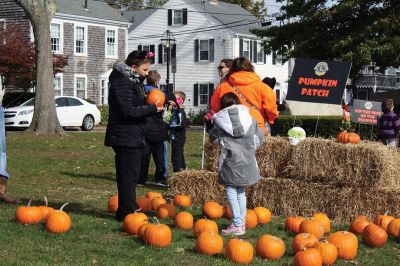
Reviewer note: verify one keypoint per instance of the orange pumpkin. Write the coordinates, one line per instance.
(393, 228)
(228, 212)
(166, 211)
(292, 224)
(302, 241)
(156, 96)
(157, 235)
(308, 257)
(270, 247)
(239, 251)
(133, 221)
(251, 219)
(184, 220)
(29, 214)
(155, 202)
(152, 194)
(383, 221)
(328, 252)
(141, 230)
(182, 201)
(213, 210)
(204, 225)
(346, 244)
(358, 225)
(348, 137)
(312, 227)
(209, 243)
(113, 204)
(58, 221)
(45, 209)
(144, 204)
(374, 236)
(264, 215)
(323, 219)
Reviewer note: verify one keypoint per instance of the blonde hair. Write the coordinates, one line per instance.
(181, 94)
(153, 78)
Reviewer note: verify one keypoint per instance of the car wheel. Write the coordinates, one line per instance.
(88, 123)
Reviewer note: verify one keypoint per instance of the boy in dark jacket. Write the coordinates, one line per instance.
(389, 124)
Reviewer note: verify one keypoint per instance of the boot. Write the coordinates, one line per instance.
(3, 197)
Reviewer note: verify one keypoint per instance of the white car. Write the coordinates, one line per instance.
(71, 112)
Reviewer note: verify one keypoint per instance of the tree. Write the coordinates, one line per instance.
(255, 7)
(45, 119)
(125, 5)
(155, 3)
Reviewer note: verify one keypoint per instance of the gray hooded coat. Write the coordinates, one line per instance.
(238, 134)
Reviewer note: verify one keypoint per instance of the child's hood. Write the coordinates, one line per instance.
(234, 120)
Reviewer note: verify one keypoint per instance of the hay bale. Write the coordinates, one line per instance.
(272, 156)
(368, 164)
(288, 197)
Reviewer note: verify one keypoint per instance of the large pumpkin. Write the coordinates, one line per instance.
(308, 257)
(29, 214)
(182, 201)
(292, 224)
(213, 210)
(209, 243)
(270, 247)
(328, 252)
(348, 137)
(45, 209)
(251, 219)
(157, 235)
(393, 228)
(239, 251)
(323, 219)
(133, 221)
(113, 204)
(166, 211)
(358, 225)
(264, 215)
(346, 244)
(204, 225)
(383, 220)
(58, 221)
(374, 236)
(155, 202)
(152, 194)
(156, 96)
(141, 230)
(184, 220)
(144, 204)
(302, 241)
(312, 227)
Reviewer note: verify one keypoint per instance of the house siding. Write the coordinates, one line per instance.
(13, 13)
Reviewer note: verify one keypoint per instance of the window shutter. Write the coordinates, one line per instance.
(196, 95)
(240, 47)
(251, 52)
(211, 50)
(265, 55)
(153, 50)
(160, 54)
(185, 16)
(173, 58)
(273, 57)
(210, 91)
(196, 50)
(255, 52)
(140, 47)
(169, 17)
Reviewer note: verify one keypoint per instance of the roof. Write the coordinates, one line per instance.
(137, 17)
(95, 9)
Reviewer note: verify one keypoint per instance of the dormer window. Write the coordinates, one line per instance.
(177, 17)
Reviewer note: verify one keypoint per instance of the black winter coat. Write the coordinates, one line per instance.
(156, 129)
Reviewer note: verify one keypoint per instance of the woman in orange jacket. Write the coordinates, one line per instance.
(252, 92)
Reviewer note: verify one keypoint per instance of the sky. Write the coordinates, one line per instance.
(272, 6)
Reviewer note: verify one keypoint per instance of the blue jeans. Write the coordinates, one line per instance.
(166, 158)
(237, 201)
(3, 157)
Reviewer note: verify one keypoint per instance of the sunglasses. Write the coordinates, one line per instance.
(220, 67)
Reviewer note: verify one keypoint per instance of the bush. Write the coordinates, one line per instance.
(196, 118)
(104, 114)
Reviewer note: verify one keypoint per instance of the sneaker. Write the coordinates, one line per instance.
(139, 185)
(162, 184)
(234, 230)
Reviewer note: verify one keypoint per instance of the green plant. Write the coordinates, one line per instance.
(104, 114)
(196, 118)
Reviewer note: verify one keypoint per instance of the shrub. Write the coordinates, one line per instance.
(104, 114)
(196, 118)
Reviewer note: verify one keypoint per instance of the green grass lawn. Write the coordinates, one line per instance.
(78, 169)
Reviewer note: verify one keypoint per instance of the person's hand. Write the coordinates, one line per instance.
(159, 109)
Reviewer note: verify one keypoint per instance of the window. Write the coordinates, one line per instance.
(260, 52)
(203, 49)
(146, 48)
(73, 102)
(80, 86)
(58, 85)
(203, 94)
(165, 54)
(111, 43)
(246, 49)
(55, 37)
(104, 92)
(276, 58)
(2, 24)
(178, 17)
(61, 102)
(80, 40)
(398, 77)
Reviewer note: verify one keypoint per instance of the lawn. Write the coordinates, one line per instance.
(78, 169)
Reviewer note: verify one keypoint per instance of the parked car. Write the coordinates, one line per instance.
(71, 112)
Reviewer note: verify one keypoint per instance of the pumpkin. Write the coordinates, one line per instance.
(113, 204)
(152, 194)
(348, 137)
(166, 211)
(228, 212)
(213, 210)
(323, 219)
(270, 247)
(308, 257)
(328, 252)
(312, 227)
(29, 214)
(182, 201)
(184, 220)
(58, 221)
(374, 236)
(358, 225)
(292, 224)
(45, 209)
(157, 235)
(303, 240)
(141, 230)
(393, 228)
(346, 244)
(209, 243)
(383, 220)
(144, 204)
(155, 202)
(239, 251)
(204, 225)
(133, 221)
(264, 215)
(251, 219)
(156, 96)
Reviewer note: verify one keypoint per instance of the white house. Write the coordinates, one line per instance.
(205, 33)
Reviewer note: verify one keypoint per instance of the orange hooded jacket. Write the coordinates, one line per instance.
(255, 91)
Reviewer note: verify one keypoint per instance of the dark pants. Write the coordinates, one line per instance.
(127, 164)
(177, 157)
(157, 150)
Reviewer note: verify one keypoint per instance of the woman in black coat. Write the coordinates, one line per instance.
(126, 123)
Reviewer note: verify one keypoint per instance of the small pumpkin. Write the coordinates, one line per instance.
(374, 236)
(383, 221)
(113, 204)
(209, 243)
(28, 214)
(156, 96)
(58, 221)
(144, 204)
(393, 228)
(153, 194)
(358, 225)
(270, 247)
(166, 210)
(158, 235)
(264, 215)
(251, 219)
(141, 230)
(346, 244)
(204, 225)
(213, 210)
(228, 212)
(302, 241)
(182, 201)
(308, 257)
(239, 251)
(155, 202)
(348, 137)
(292, 224)
(133, 221)
(312, 227)
(328, 252)
(323, 219)
(184, 220)
(45, 209)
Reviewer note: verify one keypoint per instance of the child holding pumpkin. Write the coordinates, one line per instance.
(239, 135)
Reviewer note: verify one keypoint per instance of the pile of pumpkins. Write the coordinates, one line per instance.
(56, 221)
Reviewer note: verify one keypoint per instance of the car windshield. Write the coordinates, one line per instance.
(30, 102)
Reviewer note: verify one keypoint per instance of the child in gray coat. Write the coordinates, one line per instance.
(238, 134)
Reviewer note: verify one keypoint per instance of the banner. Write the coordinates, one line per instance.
(365, 112)
(318, 81)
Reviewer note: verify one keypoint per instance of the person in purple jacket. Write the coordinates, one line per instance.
(389, 124)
